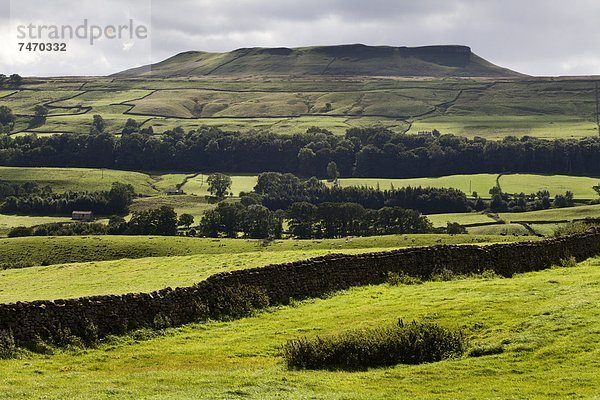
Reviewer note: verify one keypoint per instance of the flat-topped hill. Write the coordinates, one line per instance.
(341, 60)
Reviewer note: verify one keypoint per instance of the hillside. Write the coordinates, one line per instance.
(342, 60)
(544, 325)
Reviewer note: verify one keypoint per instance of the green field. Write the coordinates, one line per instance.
(440, 220)
(581, 186)
(239, 183)
(7, 222)
(188, 204)
(491, 108)
(67, 249)
(480, 183)
(555, 214)
(79, 179)
(546, 323)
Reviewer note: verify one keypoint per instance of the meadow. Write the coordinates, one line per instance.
(40, 250)
(558, 108)
(543, 327)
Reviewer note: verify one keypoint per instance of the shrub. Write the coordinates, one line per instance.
(8, 348)
(236, 301)
(413, 343)
(573, 228)
(395, 279)
(568, 262)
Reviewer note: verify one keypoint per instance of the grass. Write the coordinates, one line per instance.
(239, 183)
(581, 186)
(78, 179)
(149, 263)
(480, 183)
(546, 323)
(557, 108)
(554, 214)
(440, 220)
(194, 205)
(496, 127)
(7, 222)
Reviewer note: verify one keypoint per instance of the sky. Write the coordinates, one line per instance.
(536, 37)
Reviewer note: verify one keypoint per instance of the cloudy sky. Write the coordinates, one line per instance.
(537, 37)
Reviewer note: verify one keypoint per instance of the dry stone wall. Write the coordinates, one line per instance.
(115, 314)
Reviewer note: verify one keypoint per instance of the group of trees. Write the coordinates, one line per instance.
(44, 202)
(375, 152)
(98, 126)
(334, 220)
(279, 191)
(326, 220)
(232, 219)
(519, 202)
(11, 81)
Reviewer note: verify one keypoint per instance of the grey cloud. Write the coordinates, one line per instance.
(540, 37)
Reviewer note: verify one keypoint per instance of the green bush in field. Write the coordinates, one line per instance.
(8, 348)
(413, 343)
(395, 279)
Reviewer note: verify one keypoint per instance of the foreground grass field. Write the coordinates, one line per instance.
(150, 263)
(546, 325)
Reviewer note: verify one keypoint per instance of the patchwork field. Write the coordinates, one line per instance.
(545, 325)
(558, 108)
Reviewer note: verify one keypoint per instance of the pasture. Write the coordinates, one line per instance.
(85, 266)
(559, 108)
(544, 324)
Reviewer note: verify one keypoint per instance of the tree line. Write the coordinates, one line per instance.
(326, 220)
(279, 191)
(368, 152)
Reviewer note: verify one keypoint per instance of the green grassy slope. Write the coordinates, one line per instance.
(354, 59)
(546, 322)
(79, 179)
(155, 262)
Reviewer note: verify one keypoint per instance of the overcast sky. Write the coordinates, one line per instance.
(537, 37)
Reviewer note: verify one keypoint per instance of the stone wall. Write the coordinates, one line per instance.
(115, 314)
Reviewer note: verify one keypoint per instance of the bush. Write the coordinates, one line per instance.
(568, 262)
(573, 228)
(231, 302)
(8, 348)
(413, 343)
(395, 279)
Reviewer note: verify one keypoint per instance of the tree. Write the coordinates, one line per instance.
(219, 185)
(3, 79)
(454, 228)
(185, 220)
(131, 126)
(120, 197)
(257, 222)
(7, 119)
(39, 117)
(15, 80)
(98, 124)
(160, 221)
(597, 188)
(332, 171)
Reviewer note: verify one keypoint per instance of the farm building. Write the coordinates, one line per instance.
(82, 215)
